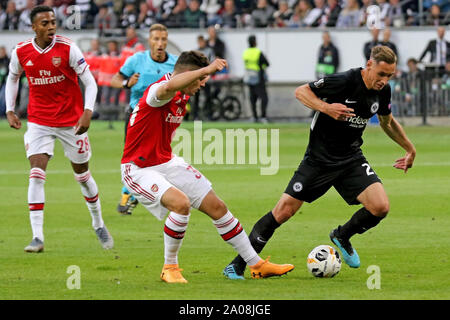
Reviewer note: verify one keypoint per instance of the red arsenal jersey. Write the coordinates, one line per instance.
(93, 60)
(55, 98)
(152, 127)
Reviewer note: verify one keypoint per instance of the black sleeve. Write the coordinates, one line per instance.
(125, 77)
(428, 48)
(330, 85)
(394, 48)
(336, 59)
(385, 101)
(366, 50)
(219, 49)
(263, 60)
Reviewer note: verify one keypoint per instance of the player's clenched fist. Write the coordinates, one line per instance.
(13, 120)
(133, 80)
(83, 123)
(217, 65)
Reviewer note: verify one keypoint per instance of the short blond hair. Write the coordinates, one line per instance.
(383, 53)
(158, 27)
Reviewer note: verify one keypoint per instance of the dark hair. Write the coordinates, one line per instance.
(191, 60)
(252, 41)
(413, 60)
(39, 9)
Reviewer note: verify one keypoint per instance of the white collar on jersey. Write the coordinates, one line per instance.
(46, 49)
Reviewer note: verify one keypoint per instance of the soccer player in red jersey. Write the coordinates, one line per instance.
(164, 182)
(52, 65)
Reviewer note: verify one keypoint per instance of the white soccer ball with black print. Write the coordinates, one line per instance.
(324, 262)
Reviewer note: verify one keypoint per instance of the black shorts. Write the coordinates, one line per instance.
(311, 181)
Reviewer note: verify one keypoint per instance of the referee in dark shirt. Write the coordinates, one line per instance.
(343, 104)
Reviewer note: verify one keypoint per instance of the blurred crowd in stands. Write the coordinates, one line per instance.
(412, 89)
(423, 87)
(120, 14)
(107, 54)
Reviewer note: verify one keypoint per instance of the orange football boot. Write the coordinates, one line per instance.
(171, 273)
(266, 269)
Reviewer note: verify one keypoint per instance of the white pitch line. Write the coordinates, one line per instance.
(219, 167)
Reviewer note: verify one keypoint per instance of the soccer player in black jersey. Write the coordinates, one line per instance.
(343, 104)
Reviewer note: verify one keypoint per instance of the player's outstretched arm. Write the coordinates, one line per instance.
(90, 94)
(335, 110)
(184, 79)
(11, 89)
(395, 131)
(119, 81)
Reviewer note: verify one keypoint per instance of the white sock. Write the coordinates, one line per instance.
(174, 229)
(89, 190)
(36, 201)
(233, 233)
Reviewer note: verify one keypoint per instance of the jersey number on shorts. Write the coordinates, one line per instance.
(197, 174)
(83, 145)
(368, 169)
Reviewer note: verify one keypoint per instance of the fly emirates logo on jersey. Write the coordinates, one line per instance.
(177, 118)
(46, 78)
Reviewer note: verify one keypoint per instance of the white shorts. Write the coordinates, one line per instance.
(41, 139)
(149, 184)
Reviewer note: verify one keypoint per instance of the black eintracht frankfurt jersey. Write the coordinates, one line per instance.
(333, 142)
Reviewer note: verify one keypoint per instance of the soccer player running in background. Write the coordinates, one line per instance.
(52, 65)
(343, 104)
(164, 182)
(138, 72)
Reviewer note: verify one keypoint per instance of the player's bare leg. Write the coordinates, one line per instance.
(285, 208)
(375, 200)
(375, 207)
(174, 229)
(233, 233)
(263, 230)
(89, 190)
(36, 200)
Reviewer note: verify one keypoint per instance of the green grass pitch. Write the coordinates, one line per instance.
(410, 247)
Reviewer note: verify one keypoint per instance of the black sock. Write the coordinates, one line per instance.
(261, 233)
(360, 222)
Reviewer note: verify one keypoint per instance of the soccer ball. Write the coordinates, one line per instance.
(324, 262)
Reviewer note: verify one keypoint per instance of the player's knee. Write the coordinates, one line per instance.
(182, 206)
(177, 201)
(80, 168)
(219, 206)
(39, 161)
(283, 212)
(381, 209)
